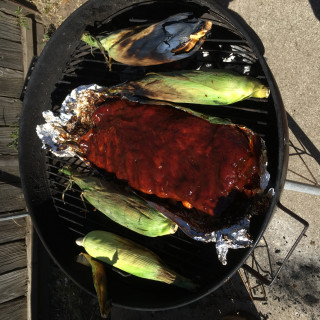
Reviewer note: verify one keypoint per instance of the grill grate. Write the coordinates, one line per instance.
(224, 49)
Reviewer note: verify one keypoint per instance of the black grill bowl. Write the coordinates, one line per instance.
(66, 63)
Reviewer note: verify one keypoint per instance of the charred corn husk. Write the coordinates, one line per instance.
(216, 87)
(122, 207)
(131, 257)
(172, 39)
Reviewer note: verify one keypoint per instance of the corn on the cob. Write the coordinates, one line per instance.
(172, 39)
(131, 257)
(122, 207)
(216, 87)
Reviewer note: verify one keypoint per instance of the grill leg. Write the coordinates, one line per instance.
(264, 280)
(302, 187)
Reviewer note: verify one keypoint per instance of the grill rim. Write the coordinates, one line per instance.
(31, 148)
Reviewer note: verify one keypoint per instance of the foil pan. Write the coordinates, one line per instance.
(57, 135)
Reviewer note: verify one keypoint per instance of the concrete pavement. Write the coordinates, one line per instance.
(290, 32)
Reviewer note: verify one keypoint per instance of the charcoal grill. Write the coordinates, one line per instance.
(66, 63)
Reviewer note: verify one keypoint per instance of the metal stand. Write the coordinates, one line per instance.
(301, 187)
(263, 279)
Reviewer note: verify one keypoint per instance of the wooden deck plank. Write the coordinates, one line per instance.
(13, 250)
(10, 176)
(6, 138)
(10, 109)
(14, 309)
(40, 28)
(13, 256)
(13, 285)
(9, 161)
(11, 82)
(28, 47)
(12, 230)
(27, 7)
(11, 55)
(12, 198)
(9, 25)
(9, 170)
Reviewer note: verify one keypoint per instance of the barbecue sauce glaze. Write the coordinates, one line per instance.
(167, 152)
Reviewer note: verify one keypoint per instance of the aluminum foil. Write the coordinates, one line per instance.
(54, 132)
(55, 135)
(235, 236)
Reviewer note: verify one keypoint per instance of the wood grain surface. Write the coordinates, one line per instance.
(13, 285)
(12, 230)
(14, 310)
(13, 256)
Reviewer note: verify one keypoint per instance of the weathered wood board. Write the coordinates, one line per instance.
(9, 171)
(11, 82)
(9, 162)
(10, 109)
(12, 5)
(11, 198)
(5, 139)
(13, 250)
(13, 256)
(9, 25)
(14, 310)
(12, 230)
(13, 285)
(10, 176)
(11, 54)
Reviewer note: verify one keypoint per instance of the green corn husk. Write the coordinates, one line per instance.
(122, 207)
(131, 257)
(100, 285)
(216, 87)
